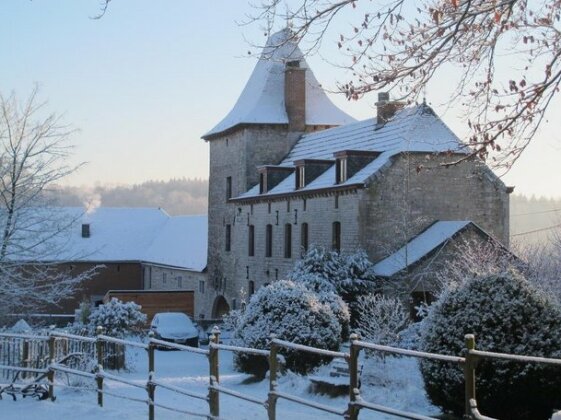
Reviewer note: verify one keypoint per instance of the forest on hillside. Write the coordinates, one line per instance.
(532, 219)
(176, 196)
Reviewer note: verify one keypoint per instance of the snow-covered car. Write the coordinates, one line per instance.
(175, 327)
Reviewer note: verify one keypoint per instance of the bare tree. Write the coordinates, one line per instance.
(34, 149)
(505, 53)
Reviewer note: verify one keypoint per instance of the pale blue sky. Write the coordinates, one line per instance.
(146, 81)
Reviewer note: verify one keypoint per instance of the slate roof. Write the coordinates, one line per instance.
(413, 129)
(262, 100)
(125, 234)
(418, 247)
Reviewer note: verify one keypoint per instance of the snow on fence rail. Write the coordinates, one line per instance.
(355, 402)
(33, 351)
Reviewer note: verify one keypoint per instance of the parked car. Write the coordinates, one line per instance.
(175, 327)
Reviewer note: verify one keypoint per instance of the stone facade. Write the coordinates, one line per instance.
(405, 198)
(398, 203)
(254, 239)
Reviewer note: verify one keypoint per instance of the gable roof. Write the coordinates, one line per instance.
(262, 99)
(417, 248)
(126, 234)
(413, 129)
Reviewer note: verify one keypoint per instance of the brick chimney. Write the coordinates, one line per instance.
(295, 95)
(386, 109)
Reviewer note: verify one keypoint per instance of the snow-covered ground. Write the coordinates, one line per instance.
(395, 382)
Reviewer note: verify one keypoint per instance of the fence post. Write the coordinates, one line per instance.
(99, 378)
(469, 373)
(354, 393)
(213, 395)
(25, 357)
(51, 372)
(273, 368)
(150, 387)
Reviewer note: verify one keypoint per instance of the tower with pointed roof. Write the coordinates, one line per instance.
(289, 170)
(281, 100)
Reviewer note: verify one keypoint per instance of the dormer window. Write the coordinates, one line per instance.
(262, 183)
(309, 169)
(270, 176)
(340, 170)
(349, 162)
(300, 177)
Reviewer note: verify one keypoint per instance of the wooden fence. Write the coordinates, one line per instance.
(32, 351)
(269, 401)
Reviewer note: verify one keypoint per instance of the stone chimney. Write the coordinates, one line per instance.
(295, 95)
(386, 109)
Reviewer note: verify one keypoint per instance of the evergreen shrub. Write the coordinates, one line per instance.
(507, 315)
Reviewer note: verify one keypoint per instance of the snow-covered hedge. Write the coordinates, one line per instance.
(507, 315)
(327, 293)
(294, 313)
(117, 318)
(349, 275)
(381, 319)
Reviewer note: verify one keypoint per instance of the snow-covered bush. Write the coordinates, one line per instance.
(117, 318)
(328, 294)
(293, 313)
(350, 275)
(381, 319)
(508, 315)
(231, 320)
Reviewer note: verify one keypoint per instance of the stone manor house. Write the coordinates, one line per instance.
(289, 170)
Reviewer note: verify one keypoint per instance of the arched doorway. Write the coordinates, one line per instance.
(220, 307)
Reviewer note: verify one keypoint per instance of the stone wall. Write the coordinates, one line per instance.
(319, 212)
(415, 190)
(237, 155)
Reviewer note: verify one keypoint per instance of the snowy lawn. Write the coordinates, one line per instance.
(395, 382)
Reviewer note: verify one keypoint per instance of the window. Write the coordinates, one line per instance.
(340, 171)
(336, 201)
(201, 286)
(300, 177)
(336, 237)
(288, 240)
(269, 241)
(251, 241)
(269, 207)
(228, 244)
(288, 206)
(234, 304)
(262, 184)
(165, 278)
(251, 288)
(304, 204)
(304, 238)
(179, 280)
(228, 187)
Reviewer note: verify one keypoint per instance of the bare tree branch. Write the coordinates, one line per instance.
(505, 54)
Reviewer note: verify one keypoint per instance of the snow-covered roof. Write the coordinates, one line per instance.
(413, 129)
(420, 246)
(262, 99)
(128, 234)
